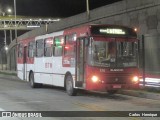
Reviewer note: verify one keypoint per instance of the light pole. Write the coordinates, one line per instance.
(87, 8)
(1, 57)
(5, 36)
(7, 12)
(15, 17)
(10, 11)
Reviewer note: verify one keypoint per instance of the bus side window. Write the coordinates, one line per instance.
(39, 48)
(57, 46)
(57, 51)
(31, 49)
(70, 46)
(48, 42)
(20, 51)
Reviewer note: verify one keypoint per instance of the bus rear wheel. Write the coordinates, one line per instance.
(31, 80)
(71, 91)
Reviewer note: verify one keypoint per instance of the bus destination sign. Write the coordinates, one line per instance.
(112, 31)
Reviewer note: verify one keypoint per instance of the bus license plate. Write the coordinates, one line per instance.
(116, 86)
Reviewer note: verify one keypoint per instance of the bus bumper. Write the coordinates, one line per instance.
(106, 87)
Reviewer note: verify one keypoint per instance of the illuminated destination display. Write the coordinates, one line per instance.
(113, 31)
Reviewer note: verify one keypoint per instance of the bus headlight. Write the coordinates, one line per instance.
(94, 79)
(135, 79)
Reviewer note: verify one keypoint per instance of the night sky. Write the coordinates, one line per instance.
(52, 8)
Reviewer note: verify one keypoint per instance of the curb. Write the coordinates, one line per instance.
(9, 77)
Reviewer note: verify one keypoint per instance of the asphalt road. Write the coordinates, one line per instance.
(16, 95)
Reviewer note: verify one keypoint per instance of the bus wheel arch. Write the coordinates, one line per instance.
(69, 84)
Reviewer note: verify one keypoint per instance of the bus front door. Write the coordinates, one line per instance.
(80, 64)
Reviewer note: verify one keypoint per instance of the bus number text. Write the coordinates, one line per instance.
(48, 65)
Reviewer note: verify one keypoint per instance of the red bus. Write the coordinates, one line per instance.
(89, 57)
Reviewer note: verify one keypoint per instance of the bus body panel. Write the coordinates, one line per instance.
(44, 65)
(22, 59)
(20, 71)
(59, 72)
(43, 70)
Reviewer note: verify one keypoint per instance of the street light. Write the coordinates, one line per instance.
(9, 10)
(6, 48)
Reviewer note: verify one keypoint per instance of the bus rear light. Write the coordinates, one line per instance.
(94, 79)
(135, 79)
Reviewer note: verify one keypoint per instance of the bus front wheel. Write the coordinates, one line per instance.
(71, 91)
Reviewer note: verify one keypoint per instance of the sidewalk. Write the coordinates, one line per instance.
(136, 93)
(9, 74)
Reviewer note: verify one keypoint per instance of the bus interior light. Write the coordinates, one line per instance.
(66, 47)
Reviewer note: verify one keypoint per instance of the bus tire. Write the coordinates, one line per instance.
(31, 81)
(71, 91)
(111, 92)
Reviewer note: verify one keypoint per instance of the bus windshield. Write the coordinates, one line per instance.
(113, 53)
